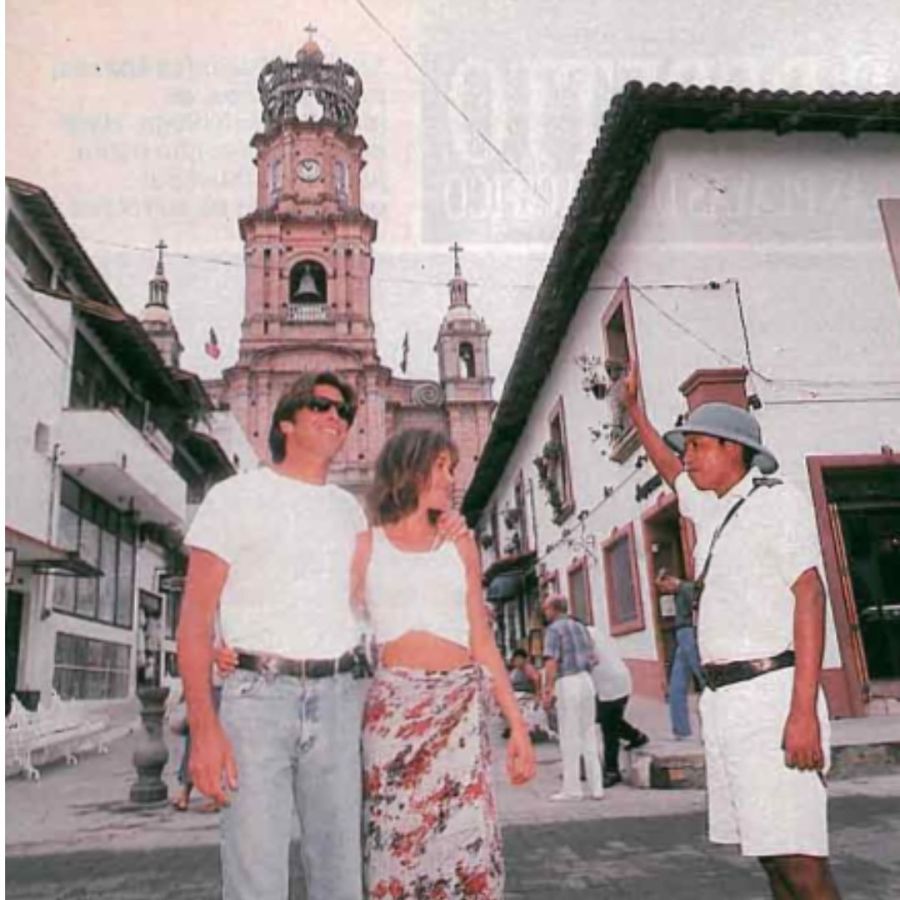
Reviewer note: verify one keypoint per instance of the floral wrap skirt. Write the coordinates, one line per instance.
(430, 826)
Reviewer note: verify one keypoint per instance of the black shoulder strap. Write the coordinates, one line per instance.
(757, 483)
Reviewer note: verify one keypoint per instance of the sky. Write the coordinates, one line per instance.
(136, 117)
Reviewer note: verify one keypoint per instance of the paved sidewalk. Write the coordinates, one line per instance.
(86, 807)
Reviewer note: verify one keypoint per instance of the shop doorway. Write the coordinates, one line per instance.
(858, 511)
(15, 602)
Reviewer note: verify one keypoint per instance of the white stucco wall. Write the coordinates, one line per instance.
(39, 333)
(791, 221)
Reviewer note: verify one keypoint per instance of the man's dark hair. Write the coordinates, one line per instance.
(748, 454)
(402, 469)
(519, 652)
(297, 396)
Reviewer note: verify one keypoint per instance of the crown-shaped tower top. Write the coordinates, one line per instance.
(310, 90)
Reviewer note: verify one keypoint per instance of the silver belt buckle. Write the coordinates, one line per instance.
(268, 668)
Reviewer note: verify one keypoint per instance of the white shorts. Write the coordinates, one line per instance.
(755, 800)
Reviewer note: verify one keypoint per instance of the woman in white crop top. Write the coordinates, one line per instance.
(430, 824)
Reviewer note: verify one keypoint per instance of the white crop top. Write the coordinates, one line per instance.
(409, 591)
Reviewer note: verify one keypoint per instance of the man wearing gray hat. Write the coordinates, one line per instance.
(760, 631)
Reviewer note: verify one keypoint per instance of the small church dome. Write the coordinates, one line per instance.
(311, 51)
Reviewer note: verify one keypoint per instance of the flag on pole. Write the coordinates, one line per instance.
(405, 358)
(212, 345)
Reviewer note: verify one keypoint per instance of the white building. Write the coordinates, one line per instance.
(742, 246)
(107, 453)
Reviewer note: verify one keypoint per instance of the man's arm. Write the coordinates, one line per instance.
(211, 755)
(802, 741)
(665, 461)
(551, 667)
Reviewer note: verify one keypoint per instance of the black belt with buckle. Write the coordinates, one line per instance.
(721, 674)
(271, 665)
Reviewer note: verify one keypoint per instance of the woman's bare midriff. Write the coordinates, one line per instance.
(423, 650)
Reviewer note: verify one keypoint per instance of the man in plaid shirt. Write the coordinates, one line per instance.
(568, 659)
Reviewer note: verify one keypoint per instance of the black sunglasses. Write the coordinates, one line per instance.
(322, 404)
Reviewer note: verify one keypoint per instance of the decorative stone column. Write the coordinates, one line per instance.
(151, 754)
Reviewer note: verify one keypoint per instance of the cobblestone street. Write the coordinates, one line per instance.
(651, 858)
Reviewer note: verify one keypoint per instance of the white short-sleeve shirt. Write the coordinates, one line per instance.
(289, 546)
(611, 677)
(747, 607)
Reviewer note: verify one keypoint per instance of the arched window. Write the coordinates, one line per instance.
(466, 360)
(276, 178)
(341, 186)
(308, 292)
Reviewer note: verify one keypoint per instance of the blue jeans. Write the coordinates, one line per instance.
(297, 747)
(685, 664)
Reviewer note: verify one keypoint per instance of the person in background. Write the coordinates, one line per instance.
(568, 659)
(523, 676)
(612, 686)
(686, 661)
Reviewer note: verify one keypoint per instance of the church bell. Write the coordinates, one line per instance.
(306, 291)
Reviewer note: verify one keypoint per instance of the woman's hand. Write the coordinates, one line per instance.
(520, 762)
(451, 526)
(225, 660)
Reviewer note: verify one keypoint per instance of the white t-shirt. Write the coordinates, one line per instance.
(611, 677)
(747, 607)
(289, 546)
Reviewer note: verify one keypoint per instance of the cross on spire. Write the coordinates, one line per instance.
(311, 31)
(162, 245)
(456, 250)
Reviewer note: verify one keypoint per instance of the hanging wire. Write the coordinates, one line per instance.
(451, 102)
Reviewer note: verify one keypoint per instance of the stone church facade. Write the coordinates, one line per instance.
(309, 262)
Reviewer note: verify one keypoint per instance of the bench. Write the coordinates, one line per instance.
(58, 729)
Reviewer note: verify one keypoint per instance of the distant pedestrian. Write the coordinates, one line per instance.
(761, 633)
(612, 686)
(568, 659)
(686, 661)
(524, 677)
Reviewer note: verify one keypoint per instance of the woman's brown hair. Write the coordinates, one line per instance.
(402, 469)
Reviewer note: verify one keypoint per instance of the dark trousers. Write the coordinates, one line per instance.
(611, 716)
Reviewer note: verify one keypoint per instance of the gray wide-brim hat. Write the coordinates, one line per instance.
(731, 423)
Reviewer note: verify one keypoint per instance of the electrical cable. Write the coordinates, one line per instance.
(451, 102)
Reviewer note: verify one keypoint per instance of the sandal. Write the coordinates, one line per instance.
(209, 807)
(180, 803)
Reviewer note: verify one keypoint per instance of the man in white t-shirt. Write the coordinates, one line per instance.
(270, 552)
(761, 635)
(612, 686)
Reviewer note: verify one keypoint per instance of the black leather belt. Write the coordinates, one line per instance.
(721, 674)
(271, 665)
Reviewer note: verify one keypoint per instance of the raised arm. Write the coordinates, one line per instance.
(665, 461)
(212, 761)
(520, 762)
